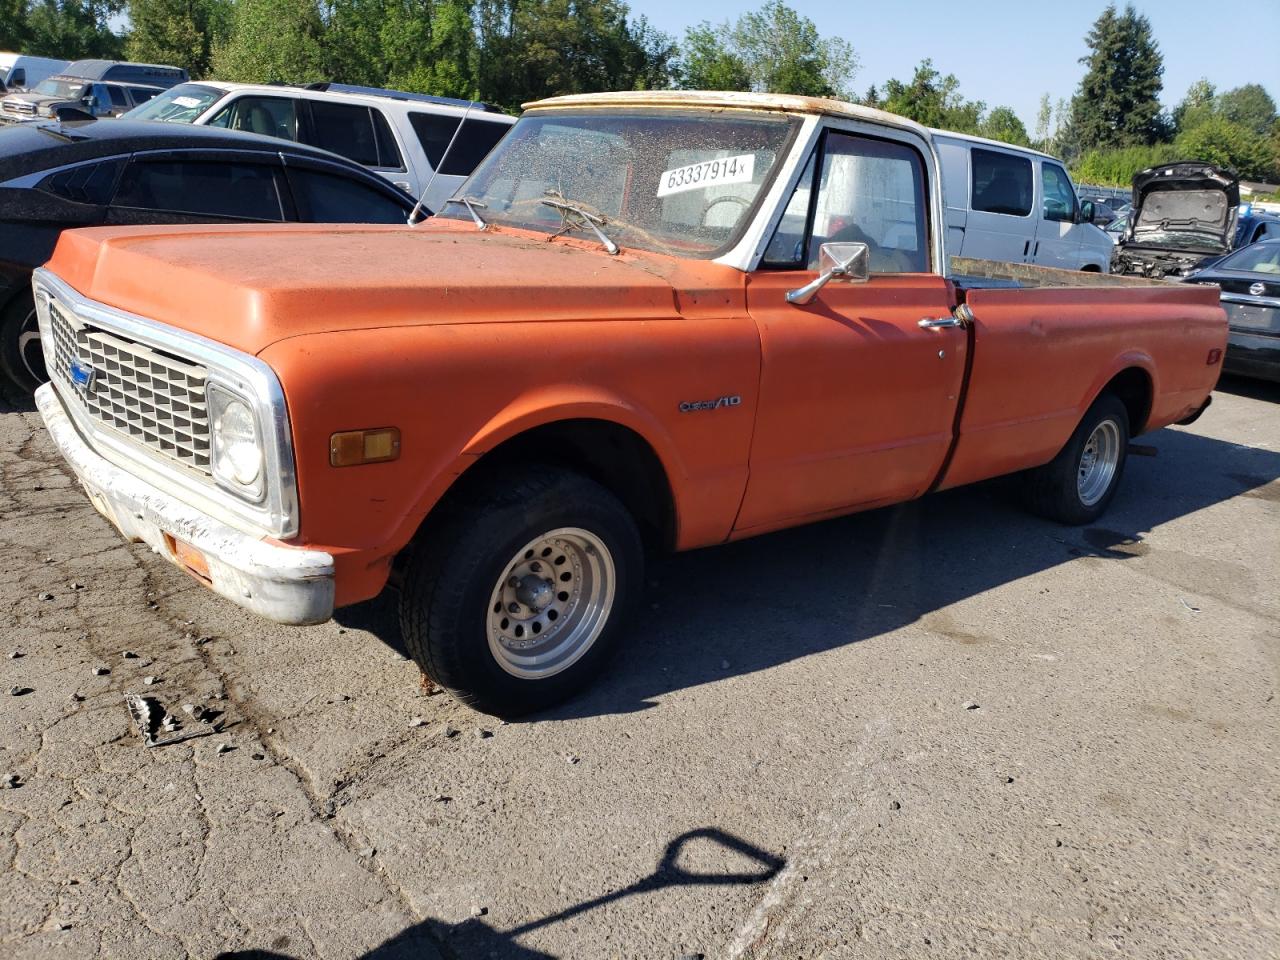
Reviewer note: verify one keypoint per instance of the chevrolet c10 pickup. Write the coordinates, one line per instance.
(647, 322)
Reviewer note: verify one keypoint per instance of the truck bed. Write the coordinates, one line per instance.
(970, 274)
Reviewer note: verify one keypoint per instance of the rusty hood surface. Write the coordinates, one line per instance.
(251, 286)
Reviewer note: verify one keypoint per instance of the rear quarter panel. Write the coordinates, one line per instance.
(457, 391)
(1042, 356)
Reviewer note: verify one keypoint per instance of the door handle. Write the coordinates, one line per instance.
(940, 323)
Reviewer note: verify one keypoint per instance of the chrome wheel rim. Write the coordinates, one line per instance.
(29, 349)
(551, 602)
(1098, 462)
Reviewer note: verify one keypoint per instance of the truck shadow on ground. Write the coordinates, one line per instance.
(753, 605)
(1264, 390)
(741, 863)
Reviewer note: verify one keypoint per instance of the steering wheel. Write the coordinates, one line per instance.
(728, 197)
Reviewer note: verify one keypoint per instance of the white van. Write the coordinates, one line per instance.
(1015, 204)
(402, 136)
(20, 72)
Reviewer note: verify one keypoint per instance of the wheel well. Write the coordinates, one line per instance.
(614, 456)
(1091, 268)
(1133, 387)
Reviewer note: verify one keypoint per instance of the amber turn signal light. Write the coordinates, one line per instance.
(353, 447)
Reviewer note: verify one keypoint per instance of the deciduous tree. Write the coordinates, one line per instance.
(273, 41)
(179, 32)
(771, 50)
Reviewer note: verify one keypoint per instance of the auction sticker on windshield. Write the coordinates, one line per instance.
(708, 173)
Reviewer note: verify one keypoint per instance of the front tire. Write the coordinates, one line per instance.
(21, 357)
(519, 593)
(1076, 487)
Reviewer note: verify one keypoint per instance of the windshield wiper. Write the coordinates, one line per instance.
(589, 219)
(471, 203)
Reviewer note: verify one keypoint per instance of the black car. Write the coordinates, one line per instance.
(1255, 224)
(54, 176)
(1250, 282)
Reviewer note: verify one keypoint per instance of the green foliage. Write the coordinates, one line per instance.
(1117, 103)
(1116, 166)
(530, 49)
(1236, 129)
(273, 41)
(179, 32)
(1196, 105)
(14, 33)
(934, 100)
(707, 63)
(70, 29)
(773, 50)
(1003, 124)
(1251, 107)
(1218, 139)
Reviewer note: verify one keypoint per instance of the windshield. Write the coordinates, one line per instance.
(672, 182)
(62, 88)
(1256, 258)
(181, 104)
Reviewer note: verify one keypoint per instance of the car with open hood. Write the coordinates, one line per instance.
(1182, 213)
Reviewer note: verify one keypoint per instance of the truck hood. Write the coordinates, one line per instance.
(1186, 207)
(251, 286)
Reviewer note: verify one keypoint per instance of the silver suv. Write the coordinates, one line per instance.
(402, 136)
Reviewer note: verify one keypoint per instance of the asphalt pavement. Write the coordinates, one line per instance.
(937, 730)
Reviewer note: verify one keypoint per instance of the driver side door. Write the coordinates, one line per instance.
(857, 399)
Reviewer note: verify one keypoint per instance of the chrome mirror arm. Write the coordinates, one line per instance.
(847, 261)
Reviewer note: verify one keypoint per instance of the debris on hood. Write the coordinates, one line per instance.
(151, 718)
(1182, 213)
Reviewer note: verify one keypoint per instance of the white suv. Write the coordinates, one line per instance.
(402, 136)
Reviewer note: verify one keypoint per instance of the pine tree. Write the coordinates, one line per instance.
(1117, 103)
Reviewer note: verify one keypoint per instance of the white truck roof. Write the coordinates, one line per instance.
(777, 102)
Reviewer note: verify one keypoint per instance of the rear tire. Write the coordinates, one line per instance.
(518, 594)
(1077, 485)
(21, 357)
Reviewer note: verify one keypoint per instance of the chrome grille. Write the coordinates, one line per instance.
(20, 106)
(151, 397)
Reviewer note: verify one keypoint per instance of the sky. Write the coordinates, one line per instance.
(1009, 53)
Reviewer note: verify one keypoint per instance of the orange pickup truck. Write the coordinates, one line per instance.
(649, 321)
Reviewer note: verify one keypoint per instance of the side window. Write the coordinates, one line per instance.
(18, 78)
(1001, 183)
(269, 116)
(1059, 198)
(244, 191)
(869, 191)
(102, 97)
(119, 99)
(786, 249)
(388, 152)
(141, 94)
(475, 141)
(434, 131)
(328, 198)
(87, 183)
(344, 129)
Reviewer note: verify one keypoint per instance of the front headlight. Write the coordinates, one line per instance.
(237, 448)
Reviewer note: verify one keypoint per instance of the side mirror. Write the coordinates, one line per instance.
(1087, 212)
(849, 262)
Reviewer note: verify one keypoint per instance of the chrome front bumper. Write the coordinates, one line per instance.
(284, 584)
